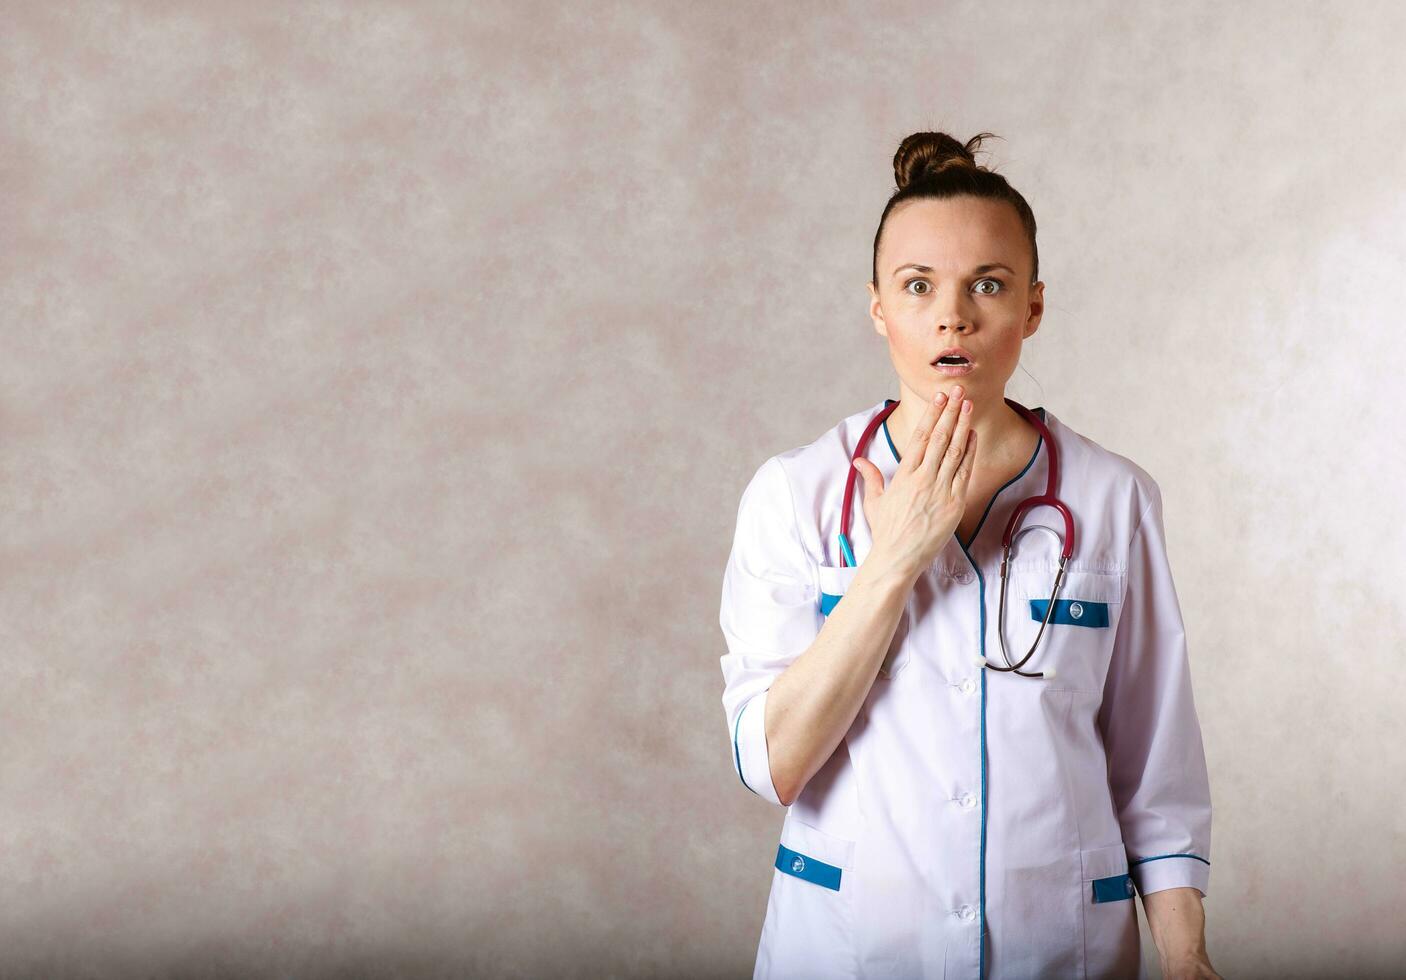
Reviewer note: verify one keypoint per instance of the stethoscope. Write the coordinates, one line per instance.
(1008, 539)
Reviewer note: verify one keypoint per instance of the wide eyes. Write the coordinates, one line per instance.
(927, 287)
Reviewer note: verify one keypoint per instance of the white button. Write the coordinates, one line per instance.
(1076, 610)
(798, 864)
(968, 686)
(967, 912)
(1129, 885)
(968, 801)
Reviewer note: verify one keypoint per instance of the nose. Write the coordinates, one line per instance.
(953, 320)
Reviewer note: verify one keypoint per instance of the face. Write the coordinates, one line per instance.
(935, 292)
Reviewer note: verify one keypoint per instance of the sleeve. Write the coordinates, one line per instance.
(769, 617)
(1156, 760)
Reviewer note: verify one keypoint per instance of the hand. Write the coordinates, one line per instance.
(912, 519)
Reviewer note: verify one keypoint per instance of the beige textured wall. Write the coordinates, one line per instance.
(379, 382)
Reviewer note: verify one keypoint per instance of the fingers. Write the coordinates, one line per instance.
(871, 476)
(918, 438)
(964, 470)
(929, 429)
(956, 445)
(873, 485)
(941, 436)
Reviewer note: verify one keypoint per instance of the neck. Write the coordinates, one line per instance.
(1001, 431)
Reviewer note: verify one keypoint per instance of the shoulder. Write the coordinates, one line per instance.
(829, 453)
(799, 472)
(1090, 463)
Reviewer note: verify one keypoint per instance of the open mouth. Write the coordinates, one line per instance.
(953, 365)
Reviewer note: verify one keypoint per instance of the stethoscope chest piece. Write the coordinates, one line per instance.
(1006, 549)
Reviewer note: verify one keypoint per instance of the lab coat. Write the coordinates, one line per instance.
(973, 823)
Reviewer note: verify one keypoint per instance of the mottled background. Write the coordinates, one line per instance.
(378, 383)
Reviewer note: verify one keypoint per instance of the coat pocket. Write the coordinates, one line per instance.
(1077, 643)
(809, 928)
(811, 854)
(1112, 947)
(834, 581)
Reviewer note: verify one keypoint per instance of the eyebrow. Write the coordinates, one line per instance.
(977, 271)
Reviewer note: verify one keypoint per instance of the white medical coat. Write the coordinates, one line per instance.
(974, 823)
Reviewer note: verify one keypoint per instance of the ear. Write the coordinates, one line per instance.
(1037, 310)
(876, 312)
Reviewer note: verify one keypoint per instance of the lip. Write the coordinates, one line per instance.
(954, 370)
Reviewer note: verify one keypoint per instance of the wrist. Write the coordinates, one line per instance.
(1178, 958)
(1189, 967)
(1176, 954)
(887, 569)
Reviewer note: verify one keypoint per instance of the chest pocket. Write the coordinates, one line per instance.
(1078, 640)
(834, 581)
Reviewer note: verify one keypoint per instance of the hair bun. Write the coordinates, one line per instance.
(934, 166)
(923, 155)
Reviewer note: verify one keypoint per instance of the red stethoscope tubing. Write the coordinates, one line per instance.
(1047, 498)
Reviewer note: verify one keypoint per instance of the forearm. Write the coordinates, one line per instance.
(1177, 921)
(814, 701)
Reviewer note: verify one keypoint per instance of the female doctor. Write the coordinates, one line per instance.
(976, 784)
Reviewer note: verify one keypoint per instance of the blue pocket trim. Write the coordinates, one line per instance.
(807, 868)
(1118, 888)
(1072, 612)
(827, 602)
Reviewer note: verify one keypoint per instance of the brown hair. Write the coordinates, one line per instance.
(936, 165)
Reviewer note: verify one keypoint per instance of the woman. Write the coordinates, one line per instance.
(949, 816)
